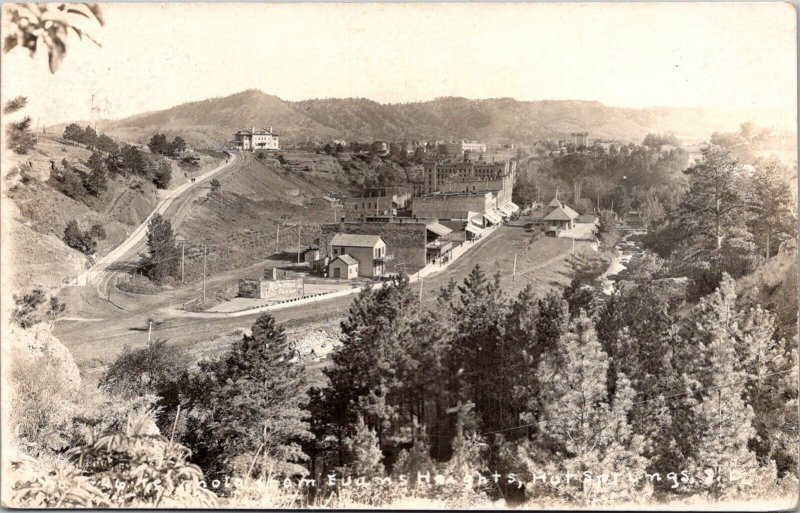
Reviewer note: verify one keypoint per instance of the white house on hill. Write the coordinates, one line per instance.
(256, 139)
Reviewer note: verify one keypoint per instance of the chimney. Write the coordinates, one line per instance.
(270, 129)
(252, 130)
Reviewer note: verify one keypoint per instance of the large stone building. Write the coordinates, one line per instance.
(580, 138)
(378, 200)
(452, 205)
(457, 148)
(471, 176)
(256, 139)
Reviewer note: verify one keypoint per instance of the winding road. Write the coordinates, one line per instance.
(101, 273)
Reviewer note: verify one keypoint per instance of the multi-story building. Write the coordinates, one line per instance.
(368, 250)
(580, 138)
(452, 205)
(256, 139)
(457, 148)
(471, 176)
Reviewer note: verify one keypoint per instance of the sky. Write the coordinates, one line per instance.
(734, 57)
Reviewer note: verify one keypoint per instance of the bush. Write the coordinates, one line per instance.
(26, 310)
(139, 285)
(106, 144)
(21, 139)
(77, 239)
(69, 183)
(98, 232)
(133, 467)
(163, 175)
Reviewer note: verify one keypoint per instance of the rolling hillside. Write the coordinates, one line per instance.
(210, 122)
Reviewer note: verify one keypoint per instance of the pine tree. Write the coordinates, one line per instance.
(713, 219)
(249, 402)
(415, 460)
(722, 419)
(96, 180)
(480, 353)
(366, 457)
(73, 132)
(164, 258)
(769, 202)
(771, 390)
(89, 137)
(364, 366)
(20, 138)
(586, 430)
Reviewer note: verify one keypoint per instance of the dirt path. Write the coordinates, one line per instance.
(545, 264)
(108, 266)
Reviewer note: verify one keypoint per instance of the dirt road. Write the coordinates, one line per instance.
(106, 267)
(101, 330)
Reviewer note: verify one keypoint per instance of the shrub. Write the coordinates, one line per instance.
(69, 183)
(21, 139)
(26, 310)
(106, 144)
(98, 232)
(163, 174)
(134, 467)
(139, 285)
(77, 239)
(97, 179)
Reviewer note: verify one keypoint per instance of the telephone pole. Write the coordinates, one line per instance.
(420, 290)
(149, 330)
(277, 238)
(514, 272)
(183, 267)
(298, 243)
(204, 272)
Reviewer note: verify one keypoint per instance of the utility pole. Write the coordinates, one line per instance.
(514, 272)
(204, 272)
(277, 238)
(420, 290)
(149, 330)
(298, 244)
(183, 252)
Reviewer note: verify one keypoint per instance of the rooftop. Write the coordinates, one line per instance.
(347, 259)
(355, 241)
(561, 214)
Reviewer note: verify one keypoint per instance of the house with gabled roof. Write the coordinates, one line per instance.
(343, 267)
(369, 251)
(256, 139)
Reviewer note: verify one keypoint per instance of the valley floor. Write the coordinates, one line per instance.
(545, 264)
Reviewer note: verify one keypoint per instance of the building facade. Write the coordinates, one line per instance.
(256, 139)
(368, 250)
(343, 267)
(452, 205)
(580, 138)
(457, 148)
(471, 177)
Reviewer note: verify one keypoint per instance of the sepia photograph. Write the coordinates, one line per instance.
(401, 256)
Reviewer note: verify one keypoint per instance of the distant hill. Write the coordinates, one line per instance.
(210, 122)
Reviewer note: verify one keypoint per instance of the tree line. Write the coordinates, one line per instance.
(731, 219)
(483, 383)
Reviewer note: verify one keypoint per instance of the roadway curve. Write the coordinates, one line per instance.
(101, 273)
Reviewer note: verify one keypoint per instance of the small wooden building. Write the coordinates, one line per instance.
(343, 267)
